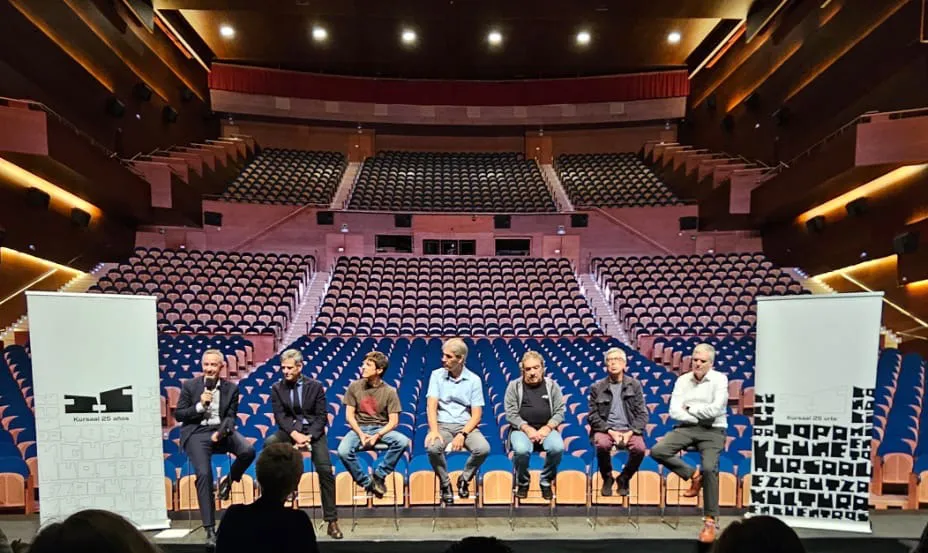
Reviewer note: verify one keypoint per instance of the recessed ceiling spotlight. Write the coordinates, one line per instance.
(673, 37)
(495, 38)
(320, 34)
(226, 31)
(583, 38)
(408, 36)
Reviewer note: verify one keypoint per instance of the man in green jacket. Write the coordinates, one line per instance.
(534, 409)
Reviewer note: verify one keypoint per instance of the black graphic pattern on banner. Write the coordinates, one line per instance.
(815, 470)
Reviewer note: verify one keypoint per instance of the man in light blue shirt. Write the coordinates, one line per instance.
(455, 405)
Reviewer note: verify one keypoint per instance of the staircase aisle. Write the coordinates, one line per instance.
(601, 308)
(308, 309)
(343, 193)
(556, 188)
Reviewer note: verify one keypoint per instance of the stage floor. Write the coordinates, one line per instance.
(893, 532)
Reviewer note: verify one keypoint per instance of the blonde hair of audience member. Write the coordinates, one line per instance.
(760, 534)
(279, 468)
(92, 531)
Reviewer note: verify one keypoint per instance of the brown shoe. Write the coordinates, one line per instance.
(695, 485)
(707, 534)
(334, 531)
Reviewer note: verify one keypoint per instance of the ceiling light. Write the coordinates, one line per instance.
(495, 38)
(226, 31)
(408, 36)
(583, 38)
(673, 37)
(320, 34)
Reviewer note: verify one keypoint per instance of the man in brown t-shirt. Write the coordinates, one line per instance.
(372, 410)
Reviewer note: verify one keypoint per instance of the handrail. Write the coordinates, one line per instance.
(273, 225)
(633, 230)
(66, 123)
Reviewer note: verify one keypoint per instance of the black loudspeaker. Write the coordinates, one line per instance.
(752, 102)
(115, 107)
(579, 220)
(857, 208)
(816, 224)
(37, 198)
(906, 243)
(711, 102)
(212, 218)
(186, 95)
(728, 123)
(402, 220)
(142, 91)
(502, 221)
(80, 218)
(325, 218)
(169, 114)
(689, 222)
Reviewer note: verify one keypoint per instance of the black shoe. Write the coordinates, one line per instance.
(463, 488)
(546, 492)
(447, 495)
(606, 491)
(377, 487)
(225, 488)
(210, 536)
(621, 486)
(522, 491)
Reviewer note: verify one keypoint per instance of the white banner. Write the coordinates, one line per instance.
(815, 375)
(97, 406)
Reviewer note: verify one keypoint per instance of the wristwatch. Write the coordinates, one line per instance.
(463, 433)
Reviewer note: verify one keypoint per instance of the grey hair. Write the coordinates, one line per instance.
(708, 349)
(457, 346)
(620, 351)
(217, 353)
(292, 355)
(532, 354)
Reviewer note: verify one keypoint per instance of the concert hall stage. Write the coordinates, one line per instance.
(893, 532)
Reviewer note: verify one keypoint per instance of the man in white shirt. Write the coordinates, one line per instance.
(698, 404)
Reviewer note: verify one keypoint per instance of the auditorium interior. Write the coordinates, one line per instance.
(347, 177)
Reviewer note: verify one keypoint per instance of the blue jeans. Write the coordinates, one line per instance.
(350, 445)
(522, 448)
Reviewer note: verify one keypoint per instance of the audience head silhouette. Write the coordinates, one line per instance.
(761, 534)
(92, 531)
(278, 469)
(478, 544)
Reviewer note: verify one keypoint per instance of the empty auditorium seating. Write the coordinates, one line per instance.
(432, 296)
(288, 177)
(690, 294)
(428, 181)
(214, 292)
(611, 180)
(18, 468)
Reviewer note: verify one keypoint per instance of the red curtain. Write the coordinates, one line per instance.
(294, 84)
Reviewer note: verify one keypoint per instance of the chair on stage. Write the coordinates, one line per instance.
(640, 489)
(673, 483)
(424, 488)
(395, 484)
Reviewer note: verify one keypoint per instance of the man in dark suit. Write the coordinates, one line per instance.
(300, 411)
(207, 409)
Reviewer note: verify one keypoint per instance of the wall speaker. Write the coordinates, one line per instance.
(402, 220)
(212, 218)
(906, 243)
(186, 94)
(816, 224)
(115, 107)
(502, 221)
(858, 207)
(142, 91)
(325, 218)
(169, 114)
(579, 220)
(80, 218)
(689, 222)
(728, 123)
(37, 198)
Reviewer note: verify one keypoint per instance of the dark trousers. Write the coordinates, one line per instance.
(709, 442)
(319, 452)
(200, 448)
(635, 446)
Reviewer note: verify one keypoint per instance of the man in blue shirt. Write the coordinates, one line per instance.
(455, 405)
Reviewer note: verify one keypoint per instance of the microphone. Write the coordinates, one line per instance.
(210, 383)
